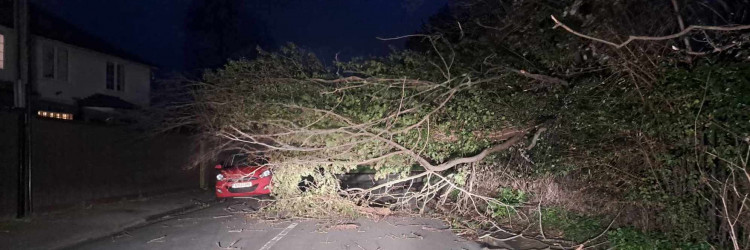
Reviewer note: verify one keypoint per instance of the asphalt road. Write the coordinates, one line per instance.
(226, 226)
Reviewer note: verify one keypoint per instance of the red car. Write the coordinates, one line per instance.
(242, 177)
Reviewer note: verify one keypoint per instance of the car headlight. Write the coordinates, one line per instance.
(219, 177)
(265, 173)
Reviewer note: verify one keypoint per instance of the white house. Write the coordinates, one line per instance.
(71, 70)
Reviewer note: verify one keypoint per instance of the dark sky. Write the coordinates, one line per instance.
(154, 29)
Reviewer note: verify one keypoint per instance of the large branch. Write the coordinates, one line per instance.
(650, 38)
(456, 161)
(497, 148)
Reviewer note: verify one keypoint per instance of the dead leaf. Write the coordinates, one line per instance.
(346, 226)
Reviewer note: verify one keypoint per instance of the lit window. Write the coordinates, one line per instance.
(2, 51)
(55, 115)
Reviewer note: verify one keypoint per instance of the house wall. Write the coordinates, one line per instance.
(9, 71)
(87, 76)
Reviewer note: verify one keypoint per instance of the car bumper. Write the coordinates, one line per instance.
(225, 190)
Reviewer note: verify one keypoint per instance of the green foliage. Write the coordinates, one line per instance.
(459, 178)
(580, 228)
(510, 198)
(631, 239)
(607, 133)
(573, 226)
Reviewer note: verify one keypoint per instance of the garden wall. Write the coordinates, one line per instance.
(74, 163)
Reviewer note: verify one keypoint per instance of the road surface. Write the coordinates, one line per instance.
(227, 226)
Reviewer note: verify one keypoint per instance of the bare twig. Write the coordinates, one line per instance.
(685, 40)
(160, 239)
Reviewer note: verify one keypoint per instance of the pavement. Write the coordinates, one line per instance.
(80, 224)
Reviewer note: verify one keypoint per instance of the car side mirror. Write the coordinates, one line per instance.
(218, 166)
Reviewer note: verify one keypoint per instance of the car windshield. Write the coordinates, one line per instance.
(246, 160)
(239, 160)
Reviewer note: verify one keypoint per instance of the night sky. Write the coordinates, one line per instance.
(155, 29)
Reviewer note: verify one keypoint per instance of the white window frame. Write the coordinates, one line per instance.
(117, 79)
(55, 63)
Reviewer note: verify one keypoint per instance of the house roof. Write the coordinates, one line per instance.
(100, 100)
(45, 24)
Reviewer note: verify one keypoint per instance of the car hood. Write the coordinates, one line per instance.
(242, 171)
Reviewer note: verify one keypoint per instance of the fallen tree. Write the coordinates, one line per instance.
(642, 135)
(311, 123)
